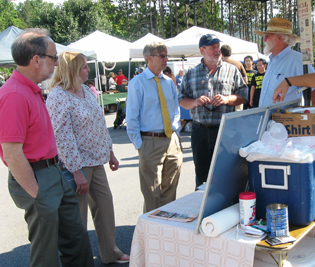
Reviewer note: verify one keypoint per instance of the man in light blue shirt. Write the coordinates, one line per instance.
(284, 62)
(160, 154)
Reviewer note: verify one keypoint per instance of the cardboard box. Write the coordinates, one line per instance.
(297, 124)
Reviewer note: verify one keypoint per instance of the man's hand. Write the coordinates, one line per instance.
(219, 100)
(20, 168)
(82, 183)
(202, 100)
(113, 162)
(280, 92)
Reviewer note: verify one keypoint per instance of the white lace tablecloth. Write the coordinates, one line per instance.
(158, 243)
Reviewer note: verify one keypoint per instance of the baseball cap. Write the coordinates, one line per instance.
(208, 39)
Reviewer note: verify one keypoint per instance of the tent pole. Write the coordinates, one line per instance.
(183, 61)
(99, 93)
(129, 69)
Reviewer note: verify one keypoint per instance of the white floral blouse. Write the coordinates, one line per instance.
(80, 129)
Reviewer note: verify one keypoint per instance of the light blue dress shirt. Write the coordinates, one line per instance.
(287, 63)
(144, 109)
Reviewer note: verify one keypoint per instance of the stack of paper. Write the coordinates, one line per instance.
(254, 232)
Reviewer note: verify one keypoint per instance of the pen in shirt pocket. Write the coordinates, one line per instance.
(279, 74)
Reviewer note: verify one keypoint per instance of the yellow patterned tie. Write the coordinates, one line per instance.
(165, 113)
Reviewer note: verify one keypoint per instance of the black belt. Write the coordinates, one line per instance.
(208, 126)
(45, 163)
(153, 134)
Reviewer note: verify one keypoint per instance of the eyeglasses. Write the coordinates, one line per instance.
(213, 108)
(161, 56)
(266, 36)
(55, 58)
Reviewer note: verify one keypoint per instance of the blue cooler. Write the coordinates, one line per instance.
(287, 182)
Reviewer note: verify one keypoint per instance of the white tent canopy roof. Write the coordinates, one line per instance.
(186, 44)
(138, 45)
(106, 47)
(6, 39)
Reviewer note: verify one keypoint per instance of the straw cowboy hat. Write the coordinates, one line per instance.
(278, 26)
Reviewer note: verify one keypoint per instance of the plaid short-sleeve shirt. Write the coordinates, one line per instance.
(226, 80)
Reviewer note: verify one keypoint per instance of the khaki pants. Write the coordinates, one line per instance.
(160, 161)
(100, 202)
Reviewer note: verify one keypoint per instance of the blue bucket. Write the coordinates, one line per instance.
(277, 220)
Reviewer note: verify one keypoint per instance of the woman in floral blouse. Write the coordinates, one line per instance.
(84, 143)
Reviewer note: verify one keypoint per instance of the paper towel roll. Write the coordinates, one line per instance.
(220, 221)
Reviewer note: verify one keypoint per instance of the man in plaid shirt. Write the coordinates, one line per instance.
(209, 90)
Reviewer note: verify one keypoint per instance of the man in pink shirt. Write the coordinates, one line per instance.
(28, 148)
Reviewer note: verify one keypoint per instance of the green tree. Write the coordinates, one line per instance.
(88, 16)
(9, 15)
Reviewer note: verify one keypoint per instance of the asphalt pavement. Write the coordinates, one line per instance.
(128, 201)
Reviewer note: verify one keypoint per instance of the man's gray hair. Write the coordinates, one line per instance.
(152, 48)
(289, 40)
(29, 43)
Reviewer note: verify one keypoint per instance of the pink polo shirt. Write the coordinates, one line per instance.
(25, 119)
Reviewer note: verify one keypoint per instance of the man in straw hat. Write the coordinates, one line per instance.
(284, 61)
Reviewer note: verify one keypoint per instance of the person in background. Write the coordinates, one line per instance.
(120, 79)
(226, 52)
(284, 61)
(306, 80)
(103, 81)
(84, 143)
(179, 79)
(168, 72)
(248, 61)
(93, 89)
(153, 127)
(209, 90)
(112, 84)
(28, 148)
(257, 80)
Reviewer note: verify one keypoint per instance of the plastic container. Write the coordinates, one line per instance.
(247, 209)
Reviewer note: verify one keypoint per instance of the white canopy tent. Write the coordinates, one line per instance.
(106, 47)
(138, 45)
(136, 48)
(6, 40)
(186, 44)
(7, 37)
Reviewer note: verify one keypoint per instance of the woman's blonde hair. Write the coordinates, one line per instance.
(111, 74)
(67, 74)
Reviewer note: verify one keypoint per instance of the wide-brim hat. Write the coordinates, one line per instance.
(279, 26)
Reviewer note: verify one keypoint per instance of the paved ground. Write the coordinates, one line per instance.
(124, 183)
